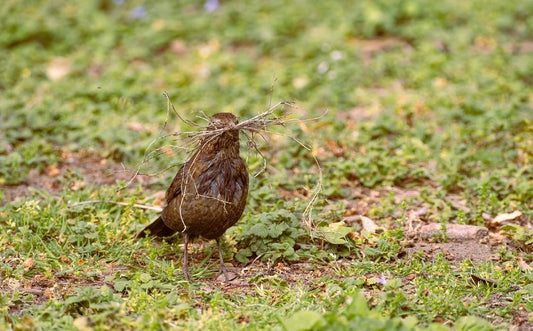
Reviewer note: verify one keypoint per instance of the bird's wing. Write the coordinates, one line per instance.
(186, 177)
(175, 187)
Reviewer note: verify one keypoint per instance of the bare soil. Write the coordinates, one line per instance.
(74, 172)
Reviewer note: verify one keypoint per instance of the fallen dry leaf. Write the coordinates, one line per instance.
(49, 293)
(77, 185)
(52, 171)
(58, 68)
(209, 48)
(300, 82)
(28, 264)
(136, 126)
(334, 147)
(523, 265)
(506, 217)
(368, 224)
(179, 47)
(82, 323)
(496, 239)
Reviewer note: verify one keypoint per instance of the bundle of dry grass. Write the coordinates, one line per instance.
(257, 126)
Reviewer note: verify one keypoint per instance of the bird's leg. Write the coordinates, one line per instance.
(185, 265)
(222, 265)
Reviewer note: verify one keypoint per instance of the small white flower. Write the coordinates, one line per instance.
(336, 55)
(323, 67)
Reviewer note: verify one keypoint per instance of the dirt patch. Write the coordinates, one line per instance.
(74, 172)
(460, 242)
(455, 252)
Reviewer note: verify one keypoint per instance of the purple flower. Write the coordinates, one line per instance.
(138, 12)
(211, 5)
(382, 280)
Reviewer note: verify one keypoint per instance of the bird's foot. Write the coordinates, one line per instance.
(228, 276)
(186, 273)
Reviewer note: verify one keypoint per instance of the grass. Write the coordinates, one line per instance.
(429, 119)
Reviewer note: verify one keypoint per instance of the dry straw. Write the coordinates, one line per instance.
(257, 126)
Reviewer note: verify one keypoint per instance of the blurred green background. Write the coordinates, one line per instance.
(447, 82)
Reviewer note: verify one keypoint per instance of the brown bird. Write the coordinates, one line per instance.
(208, 194)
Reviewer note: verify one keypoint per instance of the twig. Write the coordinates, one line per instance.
(195, 141)
(308, 212)
(148, 156)
(169, 103)
(249, 265)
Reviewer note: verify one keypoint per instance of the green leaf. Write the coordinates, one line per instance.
(302, 320)
(334, 233)
(243, 255)
(277, 229)
(259, 230)
(472, 323)
(121, 284)
(144, 277)
(357, 307)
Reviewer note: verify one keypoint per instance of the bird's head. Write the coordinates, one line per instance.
(221, 133)
(222, 121)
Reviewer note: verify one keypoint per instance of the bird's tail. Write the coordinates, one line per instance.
(157, 228)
